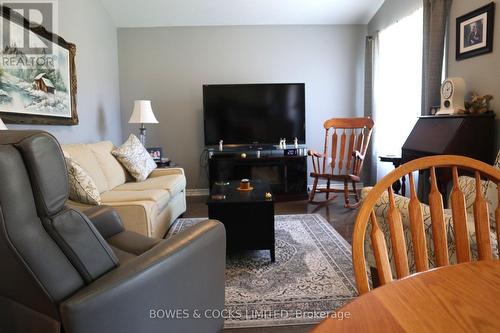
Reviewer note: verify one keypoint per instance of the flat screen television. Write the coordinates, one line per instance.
(254, 114)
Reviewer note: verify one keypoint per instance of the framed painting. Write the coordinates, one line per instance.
(474, 32)
(37, 78)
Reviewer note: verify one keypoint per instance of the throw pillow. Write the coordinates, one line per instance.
(135, 158)
(82, 187)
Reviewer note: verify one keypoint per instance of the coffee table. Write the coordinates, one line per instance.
(247, 216)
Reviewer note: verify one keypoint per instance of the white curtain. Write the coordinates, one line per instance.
(397, 86)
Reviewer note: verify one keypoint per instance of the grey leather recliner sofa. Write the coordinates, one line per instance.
(65, 271)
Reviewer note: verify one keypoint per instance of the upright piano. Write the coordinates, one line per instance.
(467, 135)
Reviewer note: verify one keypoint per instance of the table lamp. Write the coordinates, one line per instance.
(2, 125)
(142, 114)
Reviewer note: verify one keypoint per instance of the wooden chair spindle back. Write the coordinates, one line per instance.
(481, 220)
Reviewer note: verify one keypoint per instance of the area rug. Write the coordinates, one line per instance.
(311, 277)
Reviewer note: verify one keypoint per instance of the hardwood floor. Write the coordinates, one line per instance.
(342, 219)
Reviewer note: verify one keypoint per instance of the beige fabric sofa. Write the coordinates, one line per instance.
(147, 207)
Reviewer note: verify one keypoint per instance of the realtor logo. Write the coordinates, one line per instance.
(16, 34)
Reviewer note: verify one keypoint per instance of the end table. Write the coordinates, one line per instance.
(396, 161)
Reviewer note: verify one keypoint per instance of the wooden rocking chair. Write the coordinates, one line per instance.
(347, 139)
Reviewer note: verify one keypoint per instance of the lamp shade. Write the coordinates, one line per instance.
(143, 113)
(2, 125)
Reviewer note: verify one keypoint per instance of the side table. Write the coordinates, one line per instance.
(396, 161)
(167, 164)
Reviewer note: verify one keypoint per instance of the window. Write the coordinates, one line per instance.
(397, 85)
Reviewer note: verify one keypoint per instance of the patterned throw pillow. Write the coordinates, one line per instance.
(135, 158)
(82, 187)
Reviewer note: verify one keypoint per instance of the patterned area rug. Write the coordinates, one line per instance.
(312, 275)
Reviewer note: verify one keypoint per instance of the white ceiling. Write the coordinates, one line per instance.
(164, 13)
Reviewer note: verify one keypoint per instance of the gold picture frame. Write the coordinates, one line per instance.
(53, 102)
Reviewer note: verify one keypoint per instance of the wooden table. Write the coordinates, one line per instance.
(457, 298)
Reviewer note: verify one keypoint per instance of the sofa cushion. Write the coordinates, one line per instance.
(135, 158)
(160, 197)
(114, 172)
(174, 184)
(86, 158)
(82, 187)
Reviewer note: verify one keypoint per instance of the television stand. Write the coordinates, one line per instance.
(287, 175)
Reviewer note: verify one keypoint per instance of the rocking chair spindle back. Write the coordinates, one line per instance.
(346, 140)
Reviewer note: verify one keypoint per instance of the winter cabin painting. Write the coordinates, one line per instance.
(37, 82)
(43, 83)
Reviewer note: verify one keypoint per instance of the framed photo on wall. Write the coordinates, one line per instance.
(474, 35)
(37, 73)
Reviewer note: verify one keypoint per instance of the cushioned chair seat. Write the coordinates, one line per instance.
(123, 256)
(132, 242)
(129, 245)
(174, 184)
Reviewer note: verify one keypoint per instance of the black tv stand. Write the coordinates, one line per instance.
(287, 175)
(243, 148)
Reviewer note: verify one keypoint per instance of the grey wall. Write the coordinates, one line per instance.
(170, 65)
(481, 73)
(87, 24)
(390, 12)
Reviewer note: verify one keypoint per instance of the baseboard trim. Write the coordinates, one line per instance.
(196, 192)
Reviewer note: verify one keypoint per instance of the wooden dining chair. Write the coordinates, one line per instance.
(346, 142)
(366, 215)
